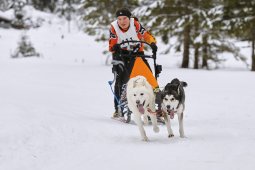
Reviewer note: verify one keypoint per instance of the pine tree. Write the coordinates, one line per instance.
(4, 5)
(195, 23)
(161, 17)
(210, 36)
(204, 31)
(44, 5)
(239, 18)
(25, 48)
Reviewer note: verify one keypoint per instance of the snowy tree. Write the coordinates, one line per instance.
(44, 5)
(207, 37)
(195, 23)
(239, 20)
(19, 14)
(170, 18)
(4, 4)
(66, 8)
(25, 48)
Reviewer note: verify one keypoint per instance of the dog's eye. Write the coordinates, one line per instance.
(134, 94)
(172, 99)
(141, 94)
(165, 99)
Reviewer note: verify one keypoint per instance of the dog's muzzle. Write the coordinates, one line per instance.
(170, 112)
(140, 106)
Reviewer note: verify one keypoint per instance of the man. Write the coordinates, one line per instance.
(123, 29)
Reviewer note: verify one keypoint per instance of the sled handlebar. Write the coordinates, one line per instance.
(135, 53)
(134, 41)
(136, 48)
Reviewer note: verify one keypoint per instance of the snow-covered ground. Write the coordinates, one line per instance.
(55, 112)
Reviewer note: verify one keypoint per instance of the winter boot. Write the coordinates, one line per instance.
(158, 100)
(115, 114)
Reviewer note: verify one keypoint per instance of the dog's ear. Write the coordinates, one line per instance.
(146, 84)
(165, 91)
(184, 84)
(134, 84)
(175, 81)
(168, 85)
(143, 82)
(174, 92)
(178, 89)
(162, 95)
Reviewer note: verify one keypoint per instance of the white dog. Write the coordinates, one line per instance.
(141, 101)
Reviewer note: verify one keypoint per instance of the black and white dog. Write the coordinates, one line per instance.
(173, 102)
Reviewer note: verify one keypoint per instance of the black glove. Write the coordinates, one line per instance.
(116, 48)
(154, 48)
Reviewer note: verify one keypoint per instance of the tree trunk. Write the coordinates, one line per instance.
(196, 45)
(196, 55)
(186, 43)
(205, 52)
(253, 55)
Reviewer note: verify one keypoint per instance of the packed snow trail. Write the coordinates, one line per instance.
(57, 116)
(55, 112)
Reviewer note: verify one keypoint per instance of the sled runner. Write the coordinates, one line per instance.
(133, 62)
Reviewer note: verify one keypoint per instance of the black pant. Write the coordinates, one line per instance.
(122, 76)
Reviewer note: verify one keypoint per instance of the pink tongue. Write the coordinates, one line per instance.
(140, 108)
(171, 114)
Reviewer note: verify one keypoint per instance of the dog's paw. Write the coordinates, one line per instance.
(171, 135)
(183, 136)
(156, 129)
(146, 122)
(145, 139)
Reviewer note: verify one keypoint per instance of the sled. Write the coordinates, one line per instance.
(135, 56)
(124, 120)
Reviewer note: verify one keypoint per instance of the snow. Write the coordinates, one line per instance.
(55, 111)
(8, 15)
